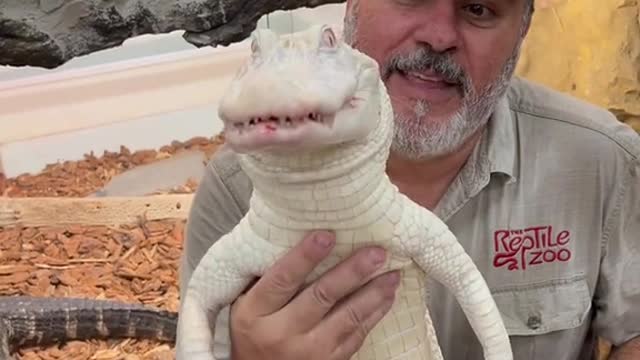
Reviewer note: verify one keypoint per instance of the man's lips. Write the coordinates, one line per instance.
(425, 85)
(430, 78)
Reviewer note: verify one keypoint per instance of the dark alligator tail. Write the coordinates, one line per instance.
(45, 321)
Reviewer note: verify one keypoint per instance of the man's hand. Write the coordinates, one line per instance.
(328, 320)
(627, 351)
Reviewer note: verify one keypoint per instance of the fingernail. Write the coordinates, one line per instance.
(323, 239)
(393, 278)
(377, 256)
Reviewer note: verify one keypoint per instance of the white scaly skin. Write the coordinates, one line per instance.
(329, 173)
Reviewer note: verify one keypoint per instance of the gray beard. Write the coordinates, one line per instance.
(417, 138)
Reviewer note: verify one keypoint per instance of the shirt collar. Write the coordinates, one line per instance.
(495, 154)
(500, 141)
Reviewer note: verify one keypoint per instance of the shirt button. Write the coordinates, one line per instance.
(534, 322)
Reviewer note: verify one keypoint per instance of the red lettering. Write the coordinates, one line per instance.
(551, 241)
(564, 255)
(549, 256)
(499, 238)
(535, 260)
(519, 248)
(541, 237)
(561, 237)
(505, 259)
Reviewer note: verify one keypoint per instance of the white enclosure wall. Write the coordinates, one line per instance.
(144, 94)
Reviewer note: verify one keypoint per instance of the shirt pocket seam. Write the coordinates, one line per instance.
(544, 307)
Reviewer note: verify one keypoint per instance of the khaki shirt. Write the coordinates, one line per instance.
(548, 207)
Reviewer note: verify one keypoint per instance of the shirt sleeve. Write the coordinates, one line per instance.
(219, 203)
(617, 297)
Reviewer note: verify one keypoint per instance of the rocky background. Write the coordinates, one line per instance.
(48, 33)
(590, 48)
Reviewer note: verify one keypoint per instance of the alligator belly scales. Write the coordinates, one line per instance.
(43, 321)
(312, 124)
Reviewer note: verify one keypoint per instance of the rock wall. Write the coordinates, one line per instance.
(48, 33)
(590, 49)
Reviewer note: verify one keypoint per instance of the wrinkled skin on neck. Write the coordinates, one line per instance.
(298, 96)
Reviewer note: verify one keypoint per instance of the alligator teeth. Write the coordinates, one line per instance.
(282, 121)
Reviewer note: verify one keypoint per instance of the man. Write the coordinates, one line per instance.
(542, 190)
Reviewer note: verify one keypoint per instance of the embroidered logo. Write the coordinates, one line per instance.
(518, 249)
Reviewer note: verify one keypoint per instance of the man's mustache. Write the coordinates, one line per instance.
(425, 58)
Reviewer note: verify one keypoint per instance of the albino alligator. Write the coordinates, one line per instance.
(312, 123)
(41, 321)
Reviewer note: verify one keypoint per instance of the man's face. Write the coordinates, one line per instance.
(445, 64)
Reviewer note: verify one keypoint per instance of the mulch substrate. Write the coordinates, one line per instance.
(134, 263)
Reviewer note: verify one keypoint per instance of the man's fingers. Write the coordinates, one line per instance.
(283, 280)
(350, 323)
(314, 302)
(353, 342)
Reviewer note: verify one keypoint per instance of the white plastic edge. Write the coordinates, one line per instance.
(69, 100)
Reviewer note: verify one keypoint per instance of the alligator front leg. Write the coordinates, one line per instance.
(224, 272)
(437, 251)
(5, 334)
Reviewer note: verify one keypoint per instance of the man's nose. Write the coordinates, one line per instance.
(438, 26)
